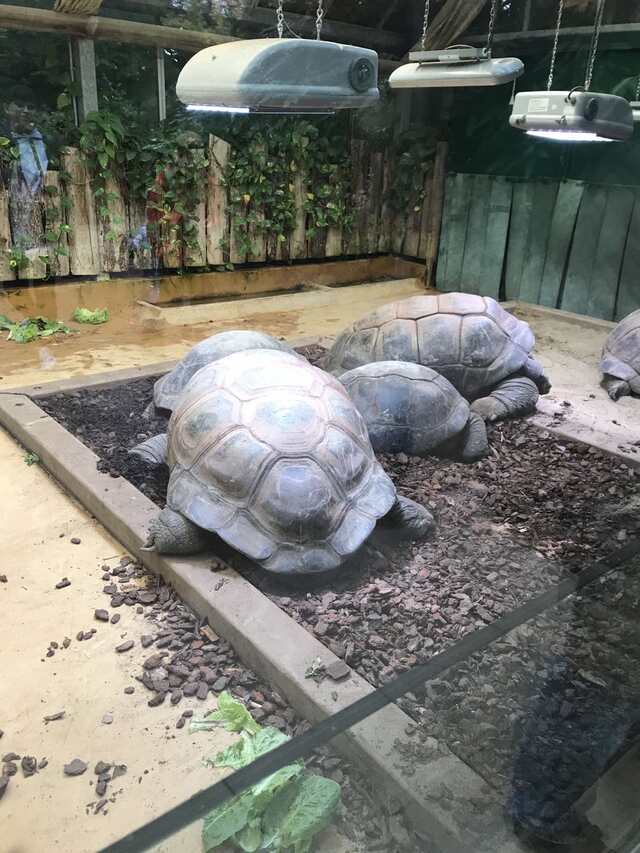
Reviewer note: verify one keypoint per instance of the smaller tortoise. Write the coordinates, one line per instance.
(484, 351)
(269, 453)
(167, 390)
(620, 364)
(412, 409)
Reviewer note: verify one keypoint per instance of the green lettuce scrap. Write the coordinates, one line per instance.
(284, 811)
(84, 315)
(31, 328)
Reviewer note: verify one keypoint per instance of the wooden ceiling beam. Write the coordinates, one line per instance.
(305, 25)
(453, 19)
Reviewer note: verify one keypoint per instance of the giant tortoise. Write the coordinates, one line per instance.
(412, 409)
(167, 390)
(270, 453)
(484, 351)
(620, 364)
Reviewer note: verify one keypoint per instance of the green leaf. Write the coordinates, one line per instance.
(23, 332)
(31, 458)
(308, 813)
(233, 715)
(63, 101)
(250, 837)
(84, 315)
(225, 821)
(5, 323)
(103, 159)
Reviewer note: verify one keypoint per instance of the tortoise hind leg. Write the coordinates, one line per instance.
(615, 388)
(475, 444)
(153, 450)
(517, 396)
(534, 371)
(410, 518)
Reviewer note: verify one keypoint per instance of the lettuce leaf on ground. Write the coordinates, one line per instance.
(282, 812)
(85, 315)
(32, 328)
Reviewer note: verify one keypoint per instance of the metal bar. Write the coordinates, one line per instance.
(162, 91)
(72, 75)
(526, 20)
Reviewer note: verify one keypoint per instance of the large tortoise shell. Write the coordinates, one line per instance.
(270, 453)
(471, 340)
(167, 390)
(621, 354)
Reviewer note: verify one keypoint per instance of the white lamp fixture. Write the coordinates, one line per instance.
(578, 115)
(456, 66)
(277, 75)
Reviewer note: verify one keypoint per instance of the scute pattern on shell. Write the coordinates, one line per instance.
(470, 339)
(270, 453)
(407, 407)
(168, 388)
(621, 354)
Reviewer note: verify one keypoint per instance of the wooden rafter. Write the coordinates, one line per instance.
(305, 25)
(453, 19)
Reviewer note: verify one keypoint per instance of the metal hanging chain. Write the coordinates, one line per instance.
(492, 24)
(554, 52)
(319, 19)
(425, 25)
(594, 44)
(638, 89)
(280, 18)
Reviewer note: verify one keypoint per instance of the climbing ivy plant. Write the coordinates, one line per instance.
(102, 142)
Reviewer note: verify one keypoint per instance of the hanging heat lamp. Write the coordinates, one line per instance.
(578, 115)
(456, 66)
(278, 75)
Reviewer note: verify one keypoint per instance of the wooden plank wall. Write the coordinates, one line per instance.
(118, 243)
(561, 244)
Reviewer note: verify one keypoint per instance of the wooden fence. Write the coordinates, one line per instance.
(563, 244)
(92, 247)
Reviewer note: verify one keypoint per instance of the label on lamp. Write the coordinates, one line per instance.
(538, 105)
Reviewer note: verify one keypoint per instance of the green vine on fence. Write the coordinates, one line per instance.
(102, 138)
(268, 159)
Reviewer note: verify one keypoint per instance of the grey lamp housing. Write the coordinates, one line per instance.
(572, 116)
(280, 75)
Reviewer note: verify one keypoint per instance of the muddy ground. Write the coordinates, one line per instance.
(534, 512)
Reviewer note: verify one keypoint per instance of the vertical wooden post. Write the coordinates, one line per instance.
(386, 214)
(114, 250)
(431, 228)
(6, 273)
(358, 198)
(84, 67)
(162, 91)
(84, 255)
(54, 217)
(374, 200)
(298, 241)
(217, 219)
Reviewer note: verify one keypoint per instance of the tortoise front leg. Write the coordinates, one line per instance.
(409, 518)
(534, 371)
(513, 397)
(615, 388)
(172, 533)
(475, 443)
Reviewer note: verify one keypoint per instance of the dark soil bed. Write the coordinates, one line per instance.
(508, 527)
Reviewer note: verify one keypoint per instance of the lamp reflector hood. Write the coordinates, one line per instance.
(635, 109)
(442, 74)
(280, 75)
(573, 116)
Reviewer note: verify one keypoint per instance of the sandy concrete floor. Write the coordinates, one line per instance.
(50, 811)
(150, 335)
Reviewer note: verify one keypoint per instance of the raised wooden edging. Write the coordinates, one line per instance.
(120, 294)
(436, 794)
